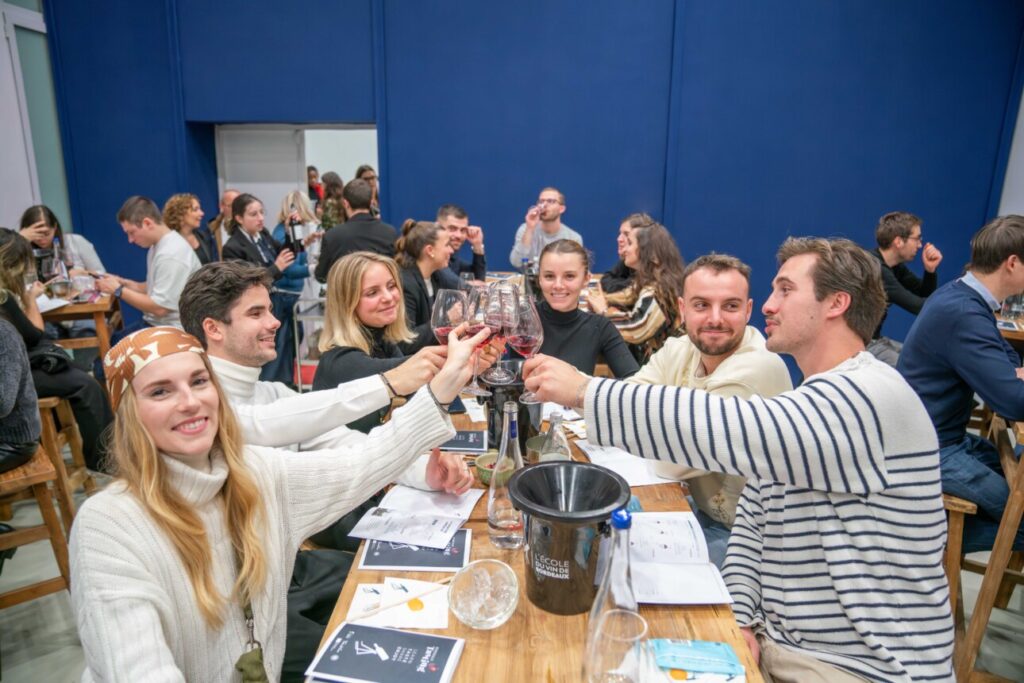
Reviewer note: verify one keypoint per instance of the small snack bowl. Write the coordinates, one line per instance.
(483, 466)
(484, 594)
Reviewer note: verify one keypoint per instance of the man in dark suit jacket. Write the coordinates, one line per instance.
(455, 220)
(361, 232)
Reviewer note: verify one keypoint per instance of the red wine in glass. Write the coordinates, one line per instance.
(524, 344)
(442, 334)
(474, 329)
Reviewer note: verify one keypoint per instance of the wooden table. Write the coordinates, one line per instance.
(104, 314)
(535, 645)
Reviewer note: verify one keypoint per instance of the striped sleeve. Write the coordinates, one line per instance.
(742, 570)
(824, 436)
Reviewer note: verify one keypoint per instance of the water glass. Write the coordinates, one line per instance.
(616, 652)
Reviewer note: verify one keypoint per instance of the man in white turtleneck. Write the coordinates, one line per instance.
(226, 305)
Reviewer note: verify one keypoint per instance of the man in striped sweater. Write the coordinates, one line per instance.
(835, 560)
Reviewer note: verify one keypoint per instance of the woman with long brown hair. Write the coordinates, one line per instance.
(52, 371)
(180, 568)
(646, 312)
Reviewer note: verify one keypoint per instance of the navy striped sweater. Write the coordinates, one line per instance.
(837, 547)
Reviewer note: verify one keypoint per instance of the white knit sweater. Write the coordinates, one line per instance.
(134, 605)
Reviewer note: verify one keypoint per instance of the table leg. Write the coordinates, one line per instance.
(102, 333)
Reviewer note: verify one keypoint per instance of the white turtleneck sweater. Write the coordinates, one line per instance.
(271, 414)
(134, 606)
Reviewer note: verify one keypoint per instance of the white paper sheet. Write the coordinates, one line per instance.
(474, 411)
(419, 611)
(568, 414)
(668, 559)
(415, 501)
(399, 526)
(47, 304)
(636, 471)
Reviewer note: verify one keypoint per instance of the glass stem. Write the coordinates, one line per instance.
(476, 363)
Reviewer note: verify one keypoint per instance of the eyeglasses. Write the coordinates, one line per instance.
(548, 201)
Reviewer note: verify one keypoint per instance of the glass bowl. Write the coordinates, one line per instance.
(484, 594)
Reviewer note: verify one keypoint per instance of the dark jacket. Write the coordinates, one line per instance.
(206, 252)
(618, 278)
(361, 232)
(418, 306)
(346, 363)
(241, 248)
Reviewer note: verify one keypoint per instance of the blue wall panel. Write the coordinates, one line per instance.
(816, 118)
(264, 61)
(488, 103)
(742, 122)
(116, 96)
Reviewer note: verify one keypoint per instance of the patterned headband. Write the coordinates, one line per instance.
(123, 362)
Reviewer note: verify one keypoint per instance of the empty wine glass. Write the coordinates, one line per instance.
(448, 313)
(526, 337)
(476, 315)
(616, 654)
(502, 315)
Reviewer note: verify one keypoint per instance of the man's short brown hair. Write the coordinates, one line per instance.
(895, 224)
(212, 291)
(1000, 239)
(843, 266)
(136, 208)
(719, 263)
(561, 197)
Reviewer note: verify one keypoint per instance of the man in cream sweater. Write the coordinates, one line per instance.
(723, 355)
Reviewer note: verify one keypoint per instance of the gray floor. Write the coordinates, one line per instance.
(38, 639)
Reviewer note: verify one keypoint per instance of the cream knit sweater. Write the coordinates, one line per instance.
(134, 605)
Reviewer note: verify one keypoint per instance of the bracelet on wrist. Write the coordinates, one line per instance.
(443, 407)
(387, 384)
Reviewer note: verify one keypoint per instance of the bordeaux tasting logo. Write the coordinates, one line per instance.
(550, 567)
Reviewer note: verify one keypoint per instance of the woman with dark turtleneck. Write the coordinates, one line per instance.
(570, 334)
(364, 322)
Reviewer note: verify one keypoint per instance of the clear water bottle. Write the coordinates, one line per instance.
(615, 629)
(555, 446)
(504, 521)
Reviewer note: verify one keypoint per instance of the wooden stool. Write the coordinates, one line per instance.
(999, 574)
(34, 476)
(54, 440)
(956, 508)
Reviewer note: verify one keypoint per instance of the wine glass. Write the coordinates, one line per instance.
(477, 303)
(501, 317)
(448, 313)
(616, 651)
(526, 337)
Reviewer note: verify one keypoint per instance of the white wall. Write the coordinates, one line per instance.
(16, 192)
(266, 161)
(1012, 200)
(341, 150)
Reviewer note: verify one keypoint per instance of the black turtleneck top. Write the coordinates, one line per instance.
(579, 338)
(346, 363)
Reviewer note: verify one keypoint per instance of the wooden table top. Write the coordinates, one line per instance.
(80, 311)
(535, 645)
(1012, 335)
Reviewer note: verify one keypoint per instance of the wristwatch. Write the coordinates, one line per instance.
(117, 292)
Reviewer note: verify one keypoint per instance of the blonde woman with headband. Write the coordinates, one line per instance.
(180, 568)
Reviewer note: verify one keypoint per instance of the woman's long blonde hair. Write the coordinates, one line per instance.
(301, 203)
(344, 289)
(140, 466)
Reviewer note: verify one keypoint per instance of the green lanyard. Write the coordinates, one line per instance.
(250, 664)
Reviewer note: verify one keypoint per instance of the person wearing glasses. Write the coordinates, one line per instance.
(366, 172)
(899, 239)
(543, 225)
